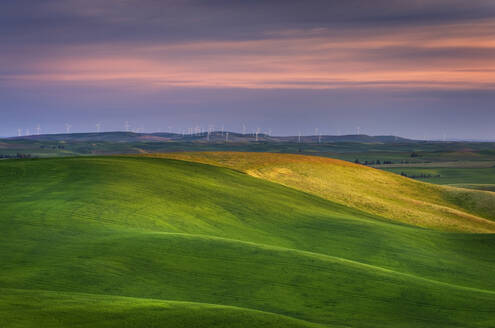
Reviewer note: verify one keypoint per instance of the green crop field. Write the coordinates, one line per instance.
(159, 242)
(482, 178)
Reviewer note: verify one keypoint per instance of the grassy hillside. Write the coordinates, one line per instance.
(370, 190)
(58, 309)
(112, 242)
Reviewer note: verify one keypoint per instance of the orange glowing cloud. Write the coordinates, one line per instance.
(449, 56)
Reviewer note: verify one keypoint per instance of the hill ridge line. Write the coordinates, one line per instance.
(159, 300)
(325, 257)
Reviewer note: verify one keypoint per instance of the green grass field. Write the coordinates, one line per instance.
(153, 242)
(466, 177)
(370, 190)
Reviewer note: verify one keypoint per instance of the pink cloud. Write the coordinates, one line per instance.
(446, 56)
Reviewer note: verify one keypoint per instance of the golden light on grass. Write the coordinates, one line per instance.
(371, 190)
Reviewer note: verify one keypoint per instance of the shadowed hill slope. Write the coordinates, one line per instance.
(60, 309)
(77, 234)
(370, 190)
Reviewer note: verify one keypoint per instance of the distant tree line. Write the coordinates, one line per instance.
(378, 162)
(53, 147)
(16, 156)
(420, 176)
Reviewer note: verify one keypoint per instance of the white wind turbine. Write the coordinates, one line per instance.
(67, 127)
(98, 126)
(38, 129)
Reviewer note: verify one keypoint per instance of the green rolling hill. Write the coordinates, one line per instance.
(374, 191)
(153, 242)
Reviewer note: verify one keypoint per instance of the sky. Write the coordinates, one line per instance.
(414, 68)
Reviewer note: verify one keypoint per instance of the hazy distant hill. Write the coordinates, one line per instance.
(216, 136)
(97, 137)
(348, 147)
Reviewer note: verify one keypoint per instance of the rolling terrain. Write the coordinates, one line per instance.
(158, 242)
(348, 147)
(374, 191)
